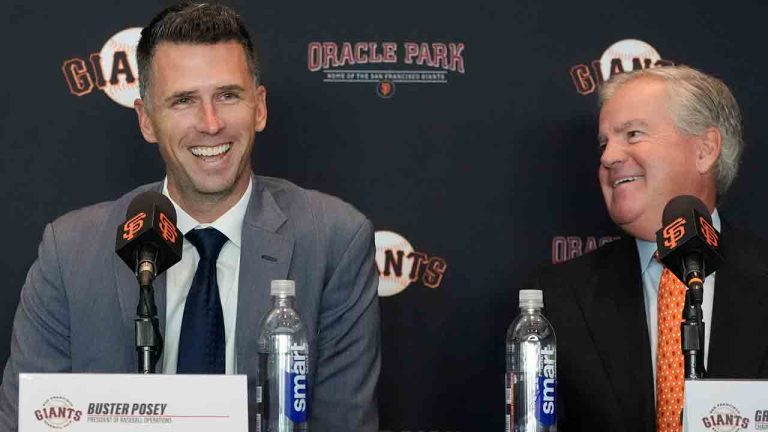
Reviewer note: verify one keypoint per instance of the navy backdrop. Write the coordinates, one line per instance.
(464, 129)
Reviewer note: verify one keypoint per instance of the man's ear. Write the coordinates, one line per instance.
(260, 110)
(145, 124)
(709, 146)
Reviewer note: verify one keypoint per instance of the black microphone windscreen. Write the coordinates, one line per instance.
(687, 243)
(150, 227)
(149, 199)
(682, 205)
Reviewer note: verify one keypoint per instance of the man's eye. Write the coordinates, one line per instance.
(633, 134)
(601, 147)
(182, 101)
(229, 96)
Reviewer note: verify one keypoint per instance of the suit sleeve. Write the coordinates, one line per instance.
(40, 337)
(349, 346)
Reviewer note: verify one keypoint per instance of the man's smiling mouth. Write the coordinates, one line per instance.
(619, 182)
(203, 152)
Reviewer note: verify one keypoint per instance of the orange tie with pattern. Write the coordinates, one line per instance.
(669, 355)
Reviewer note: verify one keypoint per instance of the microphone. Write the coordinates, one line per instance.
(148, 241)
(688, 245)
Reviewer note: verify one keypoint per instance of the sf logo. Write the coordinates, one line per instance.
(674, 232)
(133, 226)
(167, 229)
(710, 235)
(385, 89)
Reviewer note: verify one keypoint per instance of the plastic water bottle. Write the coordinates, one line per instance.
(283, 391)
(531, 369)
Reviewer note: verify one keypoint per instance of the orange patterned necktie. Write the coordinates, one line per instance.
(669, 355)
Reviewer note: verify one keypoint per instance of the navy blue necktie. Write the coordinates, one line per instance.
(201, 344)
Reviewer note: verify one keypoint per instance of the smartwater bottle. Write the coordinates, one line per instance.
(282, 394)
(531, 368)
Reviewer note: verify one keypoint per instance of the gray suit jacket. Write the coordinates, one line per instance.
(78, 303)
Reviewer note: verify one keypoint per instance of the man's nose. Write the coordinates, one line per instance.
(613, 153)
(210, 121)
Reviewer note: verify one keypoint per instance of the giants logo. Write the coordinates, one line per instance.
(385, 89)
(725, 417)
(167, 229)
(112, 70)
(674, 232)
(710, 234)
(58, 412)
(623, 56)
(399, 265)
(134, 225)
(421, 62)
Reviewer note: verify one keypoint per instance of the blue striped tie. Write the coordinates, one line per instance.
(201, 344)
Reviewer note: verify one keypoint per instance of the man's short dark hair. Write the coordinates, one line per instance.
(192, 23)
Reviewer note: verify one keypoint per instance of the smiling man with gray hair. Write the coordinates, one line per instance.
(663, 132)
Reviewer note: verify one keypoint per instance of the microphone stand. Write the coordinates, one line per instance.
(149, 340)
(692, 329)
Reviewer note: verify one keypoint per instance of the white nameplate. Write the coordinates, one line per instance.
(723, 405)
(126, 403)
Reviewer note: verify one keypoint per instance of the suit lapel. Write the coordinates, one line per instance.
(160, 300)
(737, 347)
(613, 307)
(265, 255)
(128, 295)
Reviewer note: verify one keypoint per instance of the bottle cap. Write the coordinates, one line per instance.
(283, 288)
(531, 299)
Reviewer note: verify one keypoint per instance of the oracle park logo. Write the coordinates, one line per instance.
(113, 70)
(623, 56)
(725, 417)
(568, 247)
(385, 65)
(400, 265)
(58, 412)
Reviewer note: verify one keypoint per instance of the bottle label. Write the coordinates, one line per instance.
(509, 396)
(297, 396)
(545, 398)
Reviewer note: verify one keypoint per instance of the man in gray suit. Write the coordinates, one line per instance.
(202, 104)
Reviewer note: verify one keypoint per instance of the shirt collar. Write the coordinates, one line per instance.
(646, 249)
(230, 223)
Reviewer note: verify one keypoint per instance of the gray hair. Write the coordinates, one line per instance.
(192, 23)
(699, 101)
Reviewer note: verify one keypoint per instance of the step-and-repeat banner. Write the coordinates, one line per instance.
(465, 130)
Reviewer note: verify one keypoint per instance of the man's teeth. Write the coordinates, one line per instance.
(625, 180)
(210, 151)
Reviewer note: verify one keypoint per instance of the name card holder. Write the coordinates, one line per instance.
(126, 403)
(725, 405)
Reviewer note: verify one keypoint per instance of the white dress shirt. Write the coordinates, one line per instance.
(179, 279)
(651, 274)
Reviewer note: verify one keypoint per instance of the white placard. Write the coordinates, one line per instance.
(128, 403)
(725, 406)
